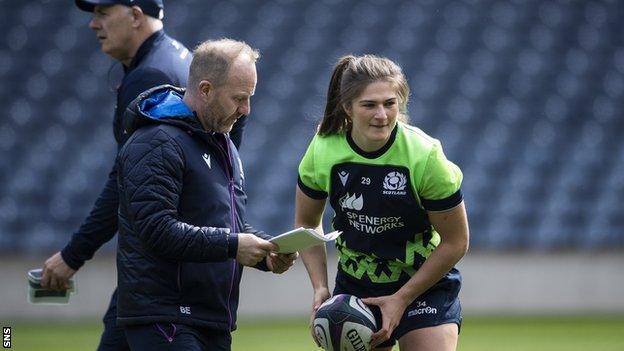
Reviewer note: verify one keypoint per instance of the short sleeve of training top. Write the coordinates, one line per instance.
(308, 180)
(380, 200)
(437, 180)
(439, 186)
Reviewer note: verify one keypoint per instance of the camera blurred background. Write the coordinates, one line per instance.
(527, 97)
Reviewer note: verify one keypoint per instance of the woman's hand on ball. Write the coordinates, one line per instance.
(392, 308)
(320, 296)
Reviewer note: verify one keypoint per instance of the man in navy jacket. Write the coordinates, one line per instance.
(131, 32)
(182, 235)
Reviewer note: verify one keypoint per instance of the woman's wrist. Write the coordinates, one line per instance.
(404, 297)
(320, 288)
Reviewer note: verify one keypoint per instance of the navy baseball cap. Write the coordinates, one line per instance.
(153, 8)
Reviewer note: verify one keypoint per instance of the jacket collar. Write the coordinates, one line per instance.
(163, 104)
(147, 45)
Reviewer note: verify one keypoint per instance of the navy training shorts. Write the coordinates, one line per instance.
(436, 306)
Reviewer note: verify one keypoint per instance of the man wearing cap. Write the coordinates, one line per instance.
(131, 32)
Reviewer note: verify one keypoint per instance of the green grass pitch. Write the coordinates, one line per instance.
(478, 334)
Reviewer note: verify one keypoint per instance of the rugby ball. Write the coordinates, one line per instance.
(344, 323)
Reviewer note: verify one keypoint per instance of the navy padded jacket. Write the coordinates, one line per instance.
(182, 203)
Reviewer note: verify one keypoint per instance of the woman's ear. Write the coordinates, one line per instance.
(347, 109)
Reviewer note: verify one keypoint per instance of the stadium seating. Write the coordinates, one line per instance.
(526, 97)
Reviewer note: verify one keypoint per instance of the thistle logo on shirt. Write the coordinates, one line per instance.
(394, 184)
(351, 202)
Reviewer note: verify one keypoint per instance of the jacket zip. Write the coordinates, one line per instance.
(229, 166)
(234, 228)
(234, 264)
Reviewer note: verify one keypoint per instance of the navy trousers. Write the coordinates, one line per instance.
(113, 337)
(174, 336)
(159, 336)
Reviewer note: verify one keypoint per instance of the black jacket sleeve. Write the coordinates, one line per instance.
(151, 172)
(97, 229)
(259, 233)
(262, 265)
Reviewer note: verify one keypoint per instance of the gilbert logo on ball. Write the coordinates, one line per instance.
(344, 323)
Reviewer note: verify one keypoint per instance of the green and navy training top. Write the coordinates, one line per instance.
(380, 199)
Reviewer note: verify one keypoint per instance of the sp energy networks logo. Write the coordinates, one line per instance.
(351, 202)
(394, 184)
(362, 221)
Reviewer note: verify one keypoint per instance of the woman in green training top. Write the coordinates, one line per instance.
(397, 200)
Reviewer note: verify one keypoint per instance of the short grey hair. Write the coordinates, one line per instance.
(213, 58)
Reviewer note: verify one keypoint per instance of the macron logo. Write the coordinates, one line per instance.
(344, 176)
(206, 158)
